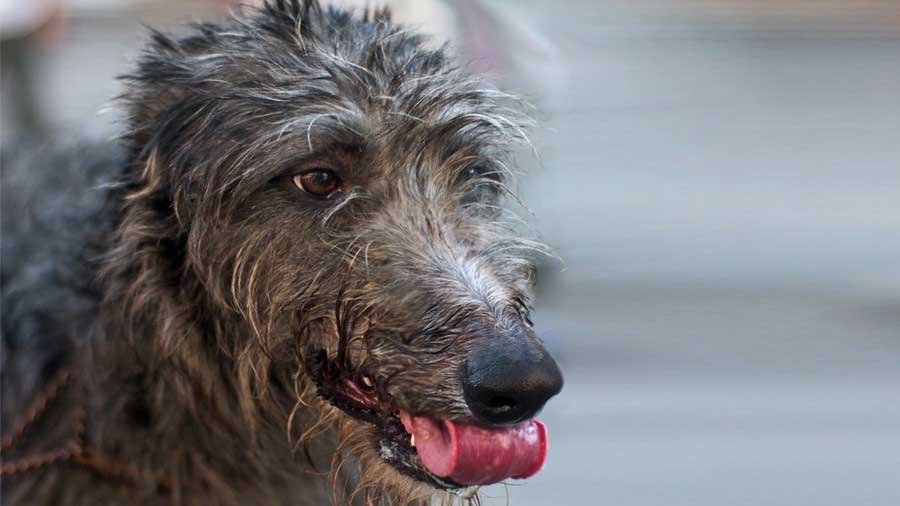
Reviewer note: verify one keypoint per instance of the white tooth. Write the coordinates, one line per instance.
(367, 381)
(412, 441)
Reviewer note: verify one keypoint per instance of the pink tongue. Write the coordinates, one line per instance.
(472, 455)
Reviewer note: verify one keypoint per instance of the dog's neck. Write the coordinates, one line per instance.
(162, 395)
(180, 417)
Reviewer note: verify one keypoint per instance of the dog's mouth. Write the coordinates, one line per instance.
(444, 453)
(473, 455)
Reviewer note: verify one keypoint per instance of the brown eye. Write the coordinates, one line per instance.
(318, 182)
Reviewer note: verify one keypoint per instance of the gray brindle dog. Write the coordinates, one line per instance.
(293, 280)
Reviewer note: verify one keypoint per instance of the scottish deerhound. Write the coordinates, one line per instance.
(294, 280)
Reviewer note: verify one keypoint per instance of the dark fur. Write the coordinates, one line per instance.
(209, 307)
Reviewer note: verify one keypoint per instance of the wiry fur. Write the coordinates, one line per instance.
(196, 291)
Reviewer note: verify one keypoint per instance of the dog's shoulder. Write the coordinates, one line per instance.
(55, 217)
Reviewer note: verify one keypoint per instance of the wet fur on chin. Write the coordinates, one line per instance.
(186, 280)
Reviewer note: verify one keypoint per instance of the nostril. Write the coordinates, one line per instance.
(501, 404)
(506, 381)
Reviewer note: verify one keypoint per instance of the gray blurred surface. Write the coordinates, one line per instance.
(723, 180)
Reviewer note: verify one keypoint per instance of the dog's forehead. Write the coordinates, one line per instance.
(398, 126)
(260, 96)
(386, 102)
(361, 82)
(426, 118)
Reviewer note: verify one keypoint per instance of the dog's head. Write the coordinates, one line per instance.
(337, 191)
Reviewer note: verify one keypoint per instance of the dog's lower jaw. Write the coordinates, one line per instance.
(360, 459)
(356, 399)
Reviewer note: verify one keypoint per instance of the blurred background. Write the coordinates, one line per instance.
(722, 178)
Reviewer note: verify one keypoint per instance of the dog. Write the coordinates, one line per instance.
(295, 279)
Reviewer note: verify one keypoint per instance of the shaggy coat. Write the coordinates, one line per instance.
(180, 310)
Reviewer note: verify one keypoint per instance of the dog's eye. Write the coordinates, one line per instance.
(482, 183)
(483, 172)
(318, 182)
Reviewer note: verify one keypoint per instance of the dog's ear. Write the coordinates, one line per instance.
(297, 9)
(157, 89)
(175, 79)
(162, 95)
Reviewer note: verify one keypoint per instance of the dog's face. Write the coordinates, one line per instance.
(340, 189)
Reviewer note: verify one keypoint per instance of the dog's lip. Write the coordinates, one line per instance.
(474, 455)
(363, 402)
(389, 422)
(365, 397)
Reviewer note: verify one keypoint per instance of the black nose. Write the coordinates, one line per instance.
(509, 379)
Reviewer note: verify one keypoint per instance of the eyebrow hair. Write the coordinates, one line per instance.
(324, 128)
(293, 141)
